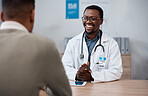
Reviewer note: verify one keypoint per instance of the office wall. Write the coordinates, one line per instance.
(51, 22)
(128, 18)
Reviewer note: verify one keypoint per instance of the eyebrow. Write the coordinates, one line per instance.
(92, 16)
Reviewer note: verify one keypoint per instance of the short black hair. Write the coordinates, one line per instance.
(97, 8)
(17, 9)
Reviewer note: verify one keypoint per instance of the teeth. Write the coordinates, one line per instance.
(89, 25)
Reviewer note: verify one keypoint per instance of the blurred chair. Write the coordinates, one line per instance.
(126, 61)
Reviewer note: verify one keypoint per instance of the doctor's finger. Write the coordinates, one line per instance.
(81, 77)
(87, 64)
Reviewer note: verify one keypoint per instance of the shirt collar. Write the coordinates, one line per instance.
(13, 25)
(96, 38)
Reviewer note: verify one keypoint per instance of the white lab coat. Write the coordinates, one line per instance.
(113, 64)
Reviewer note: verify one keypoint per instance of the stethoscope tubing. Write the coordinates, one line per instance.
(82, 55)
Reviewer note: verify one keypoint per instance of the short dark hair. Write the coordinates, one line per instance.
(17, 9)
(97, 8)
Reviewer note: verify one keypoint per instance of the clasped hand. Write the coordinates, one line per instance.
(84, 73)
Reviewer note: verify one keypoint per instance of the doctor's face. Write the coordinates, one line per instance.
(91, 20)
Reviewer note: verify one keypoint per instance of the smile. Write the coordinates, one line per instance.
(89, 26)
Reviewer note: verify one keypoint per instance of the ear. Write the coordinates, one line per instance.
(2, 16)
(101, 21)
(32, 16)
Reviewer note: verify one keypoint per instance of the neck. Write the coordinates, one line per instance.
(92, 36)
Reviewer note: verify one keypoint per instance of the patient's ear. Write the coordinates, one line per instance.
(101, 21)
(2, 16)
(32, 16)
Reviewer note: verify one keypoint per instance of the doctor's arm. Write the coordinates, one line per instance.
(114, 70)
(68, 62)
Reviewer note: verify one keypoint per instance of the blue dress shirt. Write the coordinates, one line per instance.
(90, 44)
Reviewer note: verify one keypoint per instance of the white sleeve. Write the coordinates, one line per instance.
(114, 70)
(68, 62)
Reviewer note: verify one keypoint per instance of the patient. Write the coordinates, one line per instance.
(28, 62)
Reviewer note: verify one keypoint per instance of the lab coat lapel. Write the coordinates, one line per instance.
(103, 40)
(85, 49)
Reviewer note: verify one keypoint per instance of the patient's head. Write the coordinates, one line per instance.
(21, 11)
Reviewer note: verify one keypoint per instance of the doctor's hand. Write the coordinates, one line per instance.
(84, 73)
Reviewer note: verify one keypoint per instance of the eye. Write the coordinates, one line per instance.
(84, 17)
(93, 18)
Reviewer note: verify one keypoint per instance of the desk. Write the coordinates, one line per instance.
(115, 88)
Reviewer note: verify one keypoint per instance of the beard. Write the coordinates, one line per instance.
(89, 33)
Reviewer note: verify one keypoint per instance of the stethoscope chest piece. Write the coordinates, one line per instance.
(81, 56)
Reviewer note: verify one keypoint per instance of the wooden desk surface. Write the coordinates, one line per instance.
(115, 88)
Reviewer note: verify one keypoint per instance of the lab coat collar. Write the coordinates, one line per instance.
(103, 40)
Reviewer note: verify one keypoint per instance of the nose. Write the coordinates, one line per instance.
(88, 20)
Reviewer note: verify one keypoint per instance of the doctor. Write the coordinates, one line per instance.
(92, 55)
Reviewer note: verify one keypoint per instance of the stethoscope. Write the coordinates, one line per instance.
(82, 54)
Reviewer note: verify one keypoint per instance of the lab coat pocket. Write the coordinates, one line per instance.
(100, 60)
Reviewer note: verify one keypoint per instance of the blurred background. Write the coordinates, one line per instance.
(123, 19)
